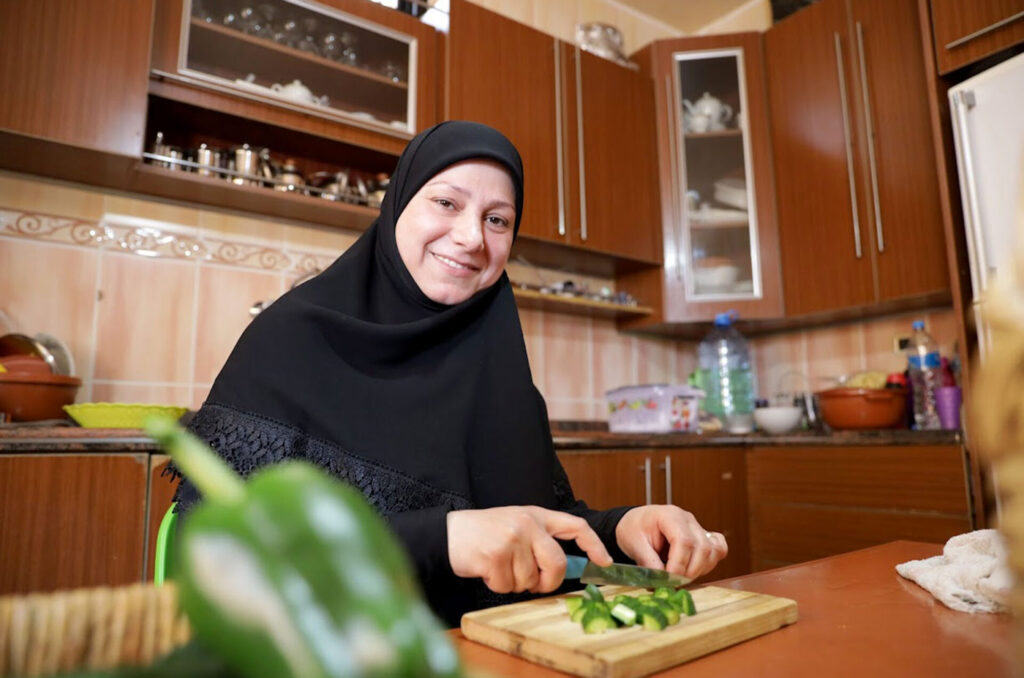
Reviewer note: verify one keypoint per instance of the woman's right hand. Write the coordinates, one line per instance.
(513, 548)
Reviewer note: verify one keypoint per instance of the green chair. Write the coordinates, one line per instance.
(163, 564)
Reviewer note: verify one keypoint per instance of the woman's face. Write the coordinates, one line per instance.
(455, 234)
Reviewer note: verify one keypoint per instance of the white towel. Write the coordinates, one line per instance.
(970, 575)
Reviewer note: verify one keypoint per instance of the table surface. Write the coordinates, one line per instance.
(858, 617)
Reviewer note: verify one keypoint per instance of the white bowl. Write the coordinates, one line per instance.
(778, 419)
(715, 278)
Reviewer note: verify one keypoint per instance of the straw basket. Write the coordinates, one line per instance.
(43, 634)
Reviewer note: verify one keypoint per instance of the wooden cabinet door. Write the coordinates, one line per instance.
(904, 217)
(826, 256)
(502, 73)
(71, 521)
(965, 32)
(74, 71)
(620, 209)
(609, 478)
(812, 502)
(161, 494)
(711, 483)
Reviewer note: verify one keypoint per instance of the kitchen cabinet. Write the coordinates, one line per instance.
(709, 482)
(71, 520)
(161, 495)
(812, 502)
(965, 32)
(590, 185)
(857, 193)
(717, 200)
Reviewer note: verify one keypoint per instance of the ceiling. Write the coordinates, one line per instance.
(687, 16)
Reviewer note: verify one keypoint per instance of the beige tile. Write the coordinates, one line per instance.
(151, 208)
(318, 238)
(145, 319)
(654, 361)
(199, 394)
(612, 357)
(225, 296)
(50, 197)
(943, 326)
(561, 408)
(149, 394)
(52, 289)
(532, 322)
(566, 358)
(779, 363)
(227, 225)
(833, 352)
(686, 360)
(557, 18)
(879, 337)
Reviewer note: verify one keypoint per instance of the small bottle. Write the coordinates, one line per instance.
(925, 367)
(725, 373)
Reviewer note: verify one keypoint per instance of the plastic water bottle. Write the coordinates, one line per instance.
(725, 373)
(925, 376)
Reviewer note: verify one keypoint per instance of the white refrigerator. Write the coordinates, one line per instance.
(988, 130)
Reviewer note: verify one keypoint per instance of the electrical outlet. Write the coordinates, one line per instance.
(900, 344)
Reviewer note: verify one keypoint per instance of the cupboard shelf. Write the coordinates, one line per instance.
(717, 226)
(532, 299)
(293, 53)
(717, 134)
(191, 187)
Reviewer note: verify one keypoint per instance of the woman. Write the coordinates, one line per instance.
(402, 370)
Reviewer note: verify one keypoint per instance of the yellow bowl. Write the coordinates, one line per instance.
(118, 415)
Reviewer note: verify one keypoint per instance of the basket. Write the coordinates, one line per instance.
(42, 634)
(118, 415)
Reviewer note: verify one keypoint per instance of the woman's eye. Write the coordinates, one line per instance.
(445, 203)
(497, 221)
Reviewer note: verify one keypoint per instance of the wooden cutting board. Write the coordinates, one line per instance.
(540, 631)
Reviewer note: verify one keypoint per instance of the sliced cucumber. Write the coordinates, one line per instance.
(597, 620)
(593, 593)
(653, 619)
(624, 614)
(573, 603)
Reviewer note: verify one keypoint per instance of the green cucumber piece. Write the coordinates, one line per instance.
(662, 592)
(593, 593)
(653, 619)
(624, 614)
(573, 603)
(671, 613)
(597, 621)
(686, 603)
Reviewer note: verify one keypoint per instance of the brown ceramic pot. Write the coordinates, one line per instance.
(31, 397)
(863, 408)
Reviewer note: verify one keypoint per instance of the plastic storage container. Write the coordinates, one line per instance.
(653, 408)
(925, 366)
(725, 373)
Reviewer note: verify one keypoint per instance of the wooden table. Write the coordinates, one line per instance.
(858, 617)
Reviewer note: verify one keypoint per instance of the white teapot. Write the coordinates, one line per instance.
(295, 91)
(707, 114)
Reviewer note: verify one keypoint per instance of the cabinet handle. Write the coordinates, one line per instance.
(673, 172)
(987, 29)
(579, 140)
(646, 469)
(668, 479)
(963, 101)
(849, 145)
(558, 139)
(871, 138)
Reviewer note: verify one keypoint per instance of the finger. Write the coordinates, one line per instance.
(524, 568)
(720, 546)
(700, 556)
(681, 548)
(551, 560)
(498, 576)
(565, 526)
(645, 555)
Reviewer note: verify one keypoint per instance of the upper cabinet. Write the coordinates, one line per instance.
(74, 72)
(589, 183)
(968, 31)
(857, 193)
(720, 242)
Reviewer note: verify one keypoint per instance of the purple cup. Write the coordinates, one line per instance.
(947, 402)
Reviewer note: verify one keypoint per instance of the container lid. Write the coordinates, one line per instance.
(725, 319)
(918, 325)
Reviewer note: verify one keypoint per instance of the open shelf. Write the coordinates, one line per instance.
(717, 134)
(532, 299)
(191, 187)
(714, 226)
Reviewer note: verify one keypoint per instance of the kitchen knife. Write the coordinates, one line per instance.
(624, 575)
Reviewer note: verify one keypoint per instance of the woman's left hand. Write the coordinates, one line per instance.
(667, 537)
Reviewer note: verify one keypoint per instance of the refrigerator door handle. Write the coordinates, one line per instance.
(849, 146)
(869, 124)
(963, 101)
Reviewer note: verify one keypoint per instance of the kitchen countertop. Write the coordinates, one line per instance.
(858, 618)
(567, 435)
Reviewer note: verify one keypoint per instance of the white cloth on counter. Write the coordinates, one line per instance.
(971, 574)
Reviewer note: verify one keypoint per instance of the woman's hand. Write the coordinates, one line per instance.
(667, 537)
(513, 548)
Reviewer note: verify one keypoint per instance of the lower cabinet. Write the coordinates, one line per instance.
(709, 482)
(78, 520)
(812, 502)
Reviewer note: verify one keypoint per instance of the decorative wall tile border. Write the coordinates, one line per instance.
(155, 239)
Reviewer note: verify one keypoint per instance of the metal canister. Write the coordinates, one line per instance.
(176, 153)
(247, 161)
(210, 157)
(290, 177)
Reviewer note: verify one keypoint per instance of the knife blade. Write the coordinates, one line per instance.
(622, 574)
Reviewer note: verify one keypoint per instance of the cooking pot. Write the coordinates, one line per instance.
(863, 408)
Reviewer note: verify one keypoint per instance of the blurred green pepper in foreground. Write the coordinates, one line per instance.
(293, 574)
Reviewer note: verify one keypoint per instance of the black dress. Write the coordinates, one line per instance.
(424, 407)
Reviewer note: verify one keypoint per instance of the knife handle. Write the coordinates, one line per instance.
(574, 567)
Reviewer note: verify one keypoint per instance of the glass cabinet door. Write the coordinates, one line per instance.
(719, 239)
(304, 56)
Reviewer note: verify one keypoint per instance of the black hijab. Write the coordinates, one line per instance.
(360, 357)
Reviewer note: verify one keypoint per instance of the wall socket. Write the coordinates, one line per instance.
(900, 344)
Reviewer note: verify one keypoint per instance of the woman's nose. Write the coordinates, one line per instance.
(467, 232)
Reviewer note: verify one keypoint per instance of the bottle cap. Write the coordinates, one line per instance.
(724, 319)
(918, 325)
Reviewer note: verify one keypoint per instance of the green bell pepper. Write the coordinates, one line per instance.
(293, 574)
